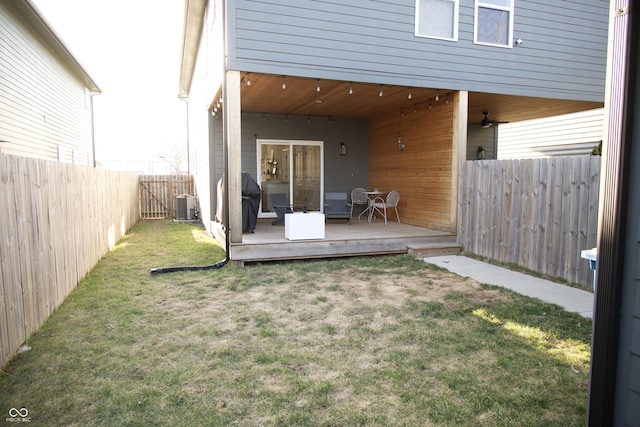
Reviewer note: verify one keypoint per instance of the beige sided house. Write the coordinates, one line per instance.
(46, 107)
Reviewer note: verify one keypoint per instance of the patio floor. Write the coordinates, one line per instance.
(360, 237)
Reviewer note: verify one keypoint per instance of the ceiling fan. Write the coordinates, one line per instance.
(487, 122)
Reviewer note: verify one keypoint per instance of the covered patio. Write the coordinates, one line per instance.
(407, 139)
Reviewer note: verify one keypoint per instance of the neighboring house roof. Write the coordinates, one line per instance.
(38, 24)
(193, 23)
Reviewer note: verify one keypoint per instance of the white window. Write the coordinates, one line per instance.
(437, 19)
(494, 22)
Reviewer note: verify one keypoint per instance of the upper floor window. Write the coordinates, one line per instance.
(437, 19)
(494, 22)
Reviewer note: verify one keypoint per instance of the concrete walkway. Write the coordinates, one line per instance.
(571, 299)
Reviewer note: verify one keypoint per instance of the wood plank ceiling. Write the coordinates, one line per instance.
(262, 93)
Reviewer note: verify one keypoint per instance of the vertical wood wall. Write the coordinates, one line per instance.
(422, 172)
(56, 222)
(536, 213)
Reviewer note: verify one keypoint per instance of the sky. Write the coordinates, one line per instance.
(131, 49)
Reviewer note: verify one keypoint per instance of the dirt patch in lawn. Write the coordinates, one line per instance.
(361, 341)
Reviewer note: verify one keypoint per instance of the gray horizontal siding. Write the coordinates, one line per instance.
(43, 106)
(563, 55)
(479, 137)
(341, 173)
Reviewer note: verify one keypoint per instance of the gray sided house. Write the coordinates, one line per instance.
(311, 97)
(46, 108)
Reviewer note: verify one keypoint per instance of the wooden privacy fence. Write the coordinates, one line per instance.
(536, 213)
(158, 194)
(56, 221)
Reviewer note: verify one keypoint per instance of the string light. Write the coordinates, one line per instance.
(248, 79)
(380, 94)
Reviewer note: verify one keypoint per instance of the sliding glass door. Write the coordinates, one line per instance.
(290, 171)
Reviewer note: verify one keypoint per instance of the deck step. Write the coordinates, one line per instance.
(434, 249)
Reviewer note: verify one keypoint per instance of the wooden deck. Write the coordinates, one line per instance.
(341, 240)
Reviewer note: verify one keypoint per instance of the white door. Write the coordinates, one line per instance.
(290, 169)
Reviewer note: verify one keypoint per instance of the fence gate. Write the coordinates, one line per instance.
(158, 194)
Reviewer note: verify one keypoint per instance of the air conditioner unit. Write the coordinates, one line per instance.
(185, 207)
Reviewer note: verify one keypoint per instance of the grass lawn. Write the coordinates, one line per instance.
(375, 341)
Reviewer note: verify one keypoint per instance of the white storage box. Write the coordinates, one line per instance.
(301, 226)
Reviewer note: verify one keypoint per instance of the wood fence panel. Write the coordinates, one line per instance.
(526, 214)
(537, 213)
(506, 217)
(56, 222)
(27, 247)
(546, 181)
(12, 316)
(516, 208)
(556, 259)
(158, 194)
(540, 207)
(583, 218)
(594, 194)
(496, 209)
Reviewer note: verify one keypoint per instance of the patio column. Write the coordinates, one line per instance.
(458, 150)
(232, 119)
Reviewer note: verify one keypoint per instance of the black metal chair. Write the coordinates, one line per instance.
(281, 206)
